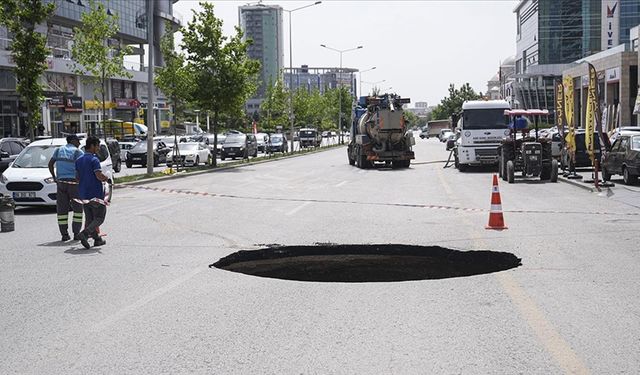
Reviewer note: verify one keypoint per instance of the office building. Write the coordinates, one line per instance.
(71, 105)
(321, 79)
(553, 34)
(263, 24)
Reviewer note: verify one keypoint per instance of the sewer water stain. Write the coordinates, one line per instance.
(365, 263)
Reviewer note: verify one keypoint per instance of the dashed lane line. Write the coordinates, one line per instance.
(408, 205)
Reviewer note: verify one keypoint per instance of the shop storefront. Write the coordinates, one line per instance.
(92, 115)
(126, 109)
(617, 84)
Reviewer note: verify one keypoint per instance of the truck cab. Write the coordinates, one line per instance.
(481, 128)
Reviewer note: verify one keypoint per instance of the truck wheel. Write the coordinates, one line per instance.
(351, 161)
(554, 171)
(511, 172)
(462, 167)
(500, 171)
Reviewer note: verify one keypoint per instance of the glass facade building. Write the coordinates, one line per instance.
(264, 25)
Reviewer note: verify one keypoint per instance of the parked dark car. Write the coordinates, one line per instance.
(9, 150)
(623, 159)
(114, 150)
(138, 154)
(278, 143)
(238, 145)
(582, 156)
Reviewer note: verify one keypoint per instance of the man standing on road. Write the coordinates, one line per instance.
(91, 192)
(64, 159)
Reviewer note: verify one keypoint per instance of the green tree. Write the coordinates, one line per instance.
(97, 55)
(224, 75)
(452, 104)
(332, 100)
(274, 108)
(28, 50)
(308, 108)
(174, 78)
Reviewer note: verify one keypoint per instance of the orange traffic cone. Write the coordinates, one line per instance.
(496, 220)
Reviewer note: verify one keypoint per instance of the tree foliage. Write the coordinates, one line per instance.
(28, 50)
(274, 109)
(174, 78)
(224, 75)
(97, 55)
(452, 104)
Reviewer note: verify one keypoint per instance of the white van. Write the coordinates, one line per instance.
(28, 179)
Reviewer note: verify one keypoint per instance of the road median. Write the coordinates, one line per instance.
(163, 176)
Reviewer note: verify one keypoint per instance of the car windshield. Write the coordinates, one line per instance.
(140, 146)
(235, 138)
(169, 141)
(478, 119)
(635, 143)
(276, 138)
(35, 157)
(307, 133)
(187, 147)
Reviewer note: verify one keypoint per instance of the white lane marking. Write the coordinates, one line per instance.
(144, 300)
(295, 210)
(342, 183)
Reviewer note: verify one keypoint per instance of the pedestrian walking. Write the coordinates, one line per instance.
(63, 170)
(91, 192)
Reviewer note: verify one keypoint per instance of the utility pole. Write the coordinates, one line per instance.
(291, 117)
(338, 86)
(150, 110)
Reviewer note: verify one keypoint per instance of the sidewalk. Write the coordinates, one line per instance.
(619, 191)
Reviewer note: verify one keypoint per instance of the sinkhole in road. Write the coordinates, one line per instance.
(365, 263)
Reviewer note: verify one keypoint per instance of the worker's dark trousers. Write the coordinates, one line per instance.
(95, 214)
(65, 196)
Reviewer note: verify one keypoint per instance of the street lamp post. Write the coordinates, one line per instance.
(340, 51)
(291, 118)
(360, 77)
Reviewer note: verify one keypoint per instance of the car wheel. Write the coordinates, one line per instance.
(156, 160)
(627, 177)
(118, 167)
(197, 163)
(169, 165)
(222, 157)
(128, 164)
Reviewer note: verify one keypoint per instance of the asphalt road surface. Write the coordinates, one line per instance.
(148, 303)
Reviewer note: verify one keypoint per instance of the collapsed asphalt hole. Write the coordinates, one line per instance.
(365, 263)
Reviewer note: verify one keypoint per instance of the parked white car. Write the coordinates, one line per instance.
(191, 154)
(28, 179)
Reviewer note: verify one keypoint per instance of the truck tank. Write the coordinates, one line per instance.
(380, 134)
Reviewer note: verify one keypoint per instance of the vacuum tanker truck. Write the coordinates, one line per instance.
(379, 133)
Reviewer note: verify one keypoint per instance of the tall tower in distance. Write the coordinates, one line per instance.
(264, 25)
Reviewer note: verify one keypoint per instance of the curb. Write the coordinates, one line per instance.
(581, 185)
(218, 169)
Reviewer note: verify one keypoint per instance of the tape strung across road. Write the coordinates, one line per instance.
(409, 205)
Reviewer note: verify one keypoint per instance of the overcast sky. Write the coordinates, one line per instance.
(418, 47)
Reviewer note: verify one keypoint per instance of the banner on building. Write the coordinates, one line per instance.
(610, 23)
(568, 115)
(560, 106)
(591, 113)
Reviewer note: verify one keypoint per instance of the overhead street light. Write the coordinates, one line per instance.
(340, 51)
(291, 116)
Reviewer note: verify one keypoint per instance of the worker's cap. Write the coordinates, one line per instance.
(72, 138)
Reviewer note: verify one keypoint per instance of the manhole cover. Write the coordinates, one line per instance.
(365, 263)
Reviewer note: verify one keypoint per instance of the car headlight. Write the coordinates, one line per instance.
(50, 180)
(3, 179)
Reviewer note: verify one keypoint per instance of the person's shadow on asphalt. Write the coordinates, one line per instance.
(76, 250)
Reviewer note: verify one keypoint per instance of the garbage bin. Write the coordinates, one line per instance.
(7, 211)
